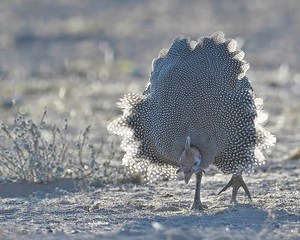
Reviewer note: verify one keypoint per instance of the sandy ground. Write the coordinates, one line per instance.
(162, 211)
(78, 57)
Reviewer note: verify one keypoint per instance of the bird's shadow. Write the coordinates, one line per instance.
(244, 216)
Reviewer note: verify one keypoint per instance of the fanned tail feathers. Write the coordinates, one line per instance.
(210, 73)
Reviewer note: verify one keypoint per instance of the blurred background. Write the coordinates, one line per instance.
(77, 57)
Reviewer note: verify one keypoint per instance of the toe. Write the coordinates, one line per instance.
(199, 207)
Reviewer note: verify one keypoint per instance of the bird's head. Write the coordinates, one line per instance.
(190, 161)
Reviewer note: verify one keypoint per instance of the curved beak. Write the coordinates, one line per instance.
(195, 168)
(187, 177)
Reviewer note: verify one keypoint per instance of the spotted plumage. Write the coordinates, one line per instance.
(197, 93)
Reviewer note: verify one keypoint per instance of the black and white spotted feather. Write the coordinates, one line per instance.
(197, 89)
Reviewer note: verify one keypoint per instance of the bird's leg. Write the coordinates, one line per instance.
(197, 205)
(236, 182)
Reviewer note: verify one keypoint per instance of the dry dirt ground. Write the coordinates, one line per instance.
(78, 57)
(159, 211)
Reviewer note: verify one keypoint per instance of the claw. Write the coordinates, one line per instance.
(229, 184)
(198, 206)
(236, 182)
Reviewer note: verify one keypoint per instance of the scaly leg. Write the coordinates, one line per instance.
(197, 205)
(236, 182)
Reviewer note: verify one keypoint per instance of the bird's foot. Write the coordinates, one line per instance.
(198, 206)
(236, 182)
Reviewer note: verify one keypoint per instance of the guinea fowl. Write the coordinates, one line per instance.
(198, 109)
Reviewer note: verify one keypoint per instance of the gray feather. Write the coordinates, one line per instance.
(197, 89)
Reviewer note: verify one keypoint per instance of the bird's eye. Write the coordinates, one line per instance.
(195, 163)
